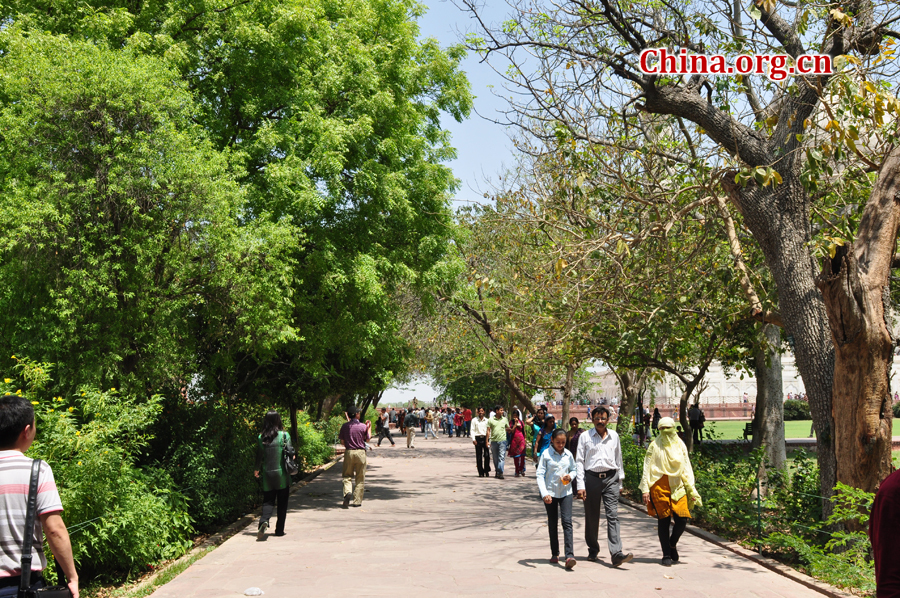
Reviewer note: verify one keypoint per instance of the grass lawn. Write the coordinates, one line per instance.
(795, 429)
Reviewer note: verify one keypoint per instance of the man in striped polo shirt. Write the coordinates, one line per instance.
(17, 431)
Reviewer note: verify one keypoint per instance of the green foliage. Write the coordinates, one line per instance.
(844, 559)
(122, 518)
(479, 390)
(208, 448)
(896, 409)
(314, 445)
(796, 410)
(121, 223)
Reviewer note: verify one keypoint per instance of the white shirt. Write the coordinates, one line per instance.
(479, 426)
(599, 454)
(551, 468)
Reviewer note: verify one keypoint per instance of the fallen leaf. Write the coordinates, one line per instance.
(668, 577)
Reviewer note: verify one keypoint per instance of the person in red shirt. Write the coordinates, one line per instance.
(883, 525)
(467, 419)
(458, 423)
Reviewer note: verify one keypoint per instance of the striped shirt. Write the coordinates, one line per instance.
(15, 476)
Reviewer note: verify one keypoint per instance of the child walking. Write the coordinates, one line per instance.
(555, 472)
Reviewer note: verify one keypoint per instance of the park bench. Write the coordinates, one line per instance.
(748, 431)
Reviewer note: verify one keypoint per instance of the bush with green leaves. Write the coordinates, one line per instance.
(208, 448)
(896, 409)
(122, 518)
(796, 411)
(842, 557)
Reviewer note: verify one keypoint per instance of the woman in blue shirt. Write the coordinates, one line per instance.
(555, 472)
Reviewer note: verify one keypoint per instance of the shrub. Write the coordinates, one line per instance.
(208, 448)
(843, 560)
(121, 518)
(896, 409)
(796, 410)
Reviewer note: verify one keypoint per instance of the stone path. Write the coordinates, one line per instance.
(430, 527)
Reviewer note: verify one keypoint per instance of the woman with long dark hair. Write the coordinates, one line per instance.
(272, 444)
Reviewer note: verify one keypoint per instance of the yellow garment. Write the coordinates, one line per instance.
(667, 459)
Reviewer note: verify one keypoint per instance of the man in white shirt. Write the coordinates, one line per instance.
(482, 441)
(598, 462)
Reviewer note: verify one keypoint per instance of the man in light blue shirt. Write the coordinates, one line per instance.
(555, 471)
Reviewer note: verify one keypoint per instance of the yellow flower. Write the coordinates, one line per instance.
(7, 380)
(34, 402)
(71, 409)
(51, 410)
(113, 389)
(13, 356)
(79, 462)
(78, 433)
(18, 392)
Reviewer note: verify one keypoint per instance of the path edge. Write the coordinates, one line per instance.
(770, 564)
(219, 538)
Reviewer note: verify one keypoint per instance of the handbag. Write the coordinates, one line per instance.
(287, 457)
(31, 513)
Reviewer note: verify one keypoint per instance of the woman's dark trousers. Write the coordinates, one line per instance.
(557, 507)
(666, 540)
(269, 498)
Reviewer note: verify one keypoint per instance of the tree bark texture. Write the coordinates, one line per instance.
(855, 286)
(630, 383)
(328, 404)
(779, 221)
(768, 429)
(567, 395)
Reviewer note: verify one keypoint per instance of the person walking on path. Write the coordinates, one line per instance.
(517, 444)
(383, 427)
(410, 422)
(482, 442)
(883, 526)
(542, 442)
(498, 426)
(467, 418)
(353, 436)
(654, 424)
(17, 432)
(429, 424)
(668, 487)
(600, 478)
(272, 444)
(459, 423)
(555, 472)
(401, 417)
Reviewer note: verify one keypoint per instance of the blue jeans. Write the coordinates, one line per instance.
(498, 453)
(429, 429)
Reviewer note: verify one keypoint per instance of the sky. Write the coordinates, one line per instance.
(483, 147)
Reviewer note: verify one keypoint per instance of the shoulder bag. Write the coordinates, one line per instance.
(287, 456)
(31, 513)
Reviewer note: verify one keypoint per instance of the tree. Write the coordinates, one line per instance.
(328, 113)
(772, 147)
(122, 223)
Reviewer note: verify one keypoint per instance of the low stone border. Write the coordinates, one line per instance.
(770, 564)
(230, 530)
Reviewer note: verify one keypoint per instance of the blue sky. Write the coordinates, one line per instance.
(483, 148)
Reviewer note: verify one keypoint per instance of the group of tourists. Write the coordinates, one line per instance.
(593, 472)
(583, 464)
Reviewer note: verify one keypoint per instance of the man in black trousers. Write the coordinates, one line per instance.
(482, 441)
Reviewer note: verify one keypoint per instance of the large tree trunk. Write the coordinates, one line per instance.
(779, 221)
(567, 395)
(328, 404)
(629, 383)
(768, 431)
(855, 286)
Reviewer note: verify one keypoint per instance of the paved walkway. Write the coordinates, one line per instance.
(430, 527)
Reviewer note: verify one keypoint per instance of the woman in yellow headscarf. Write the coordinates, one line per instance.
(668, 487)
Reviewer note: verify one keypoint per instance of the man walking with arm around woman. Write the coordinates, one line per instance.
(600, 478)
